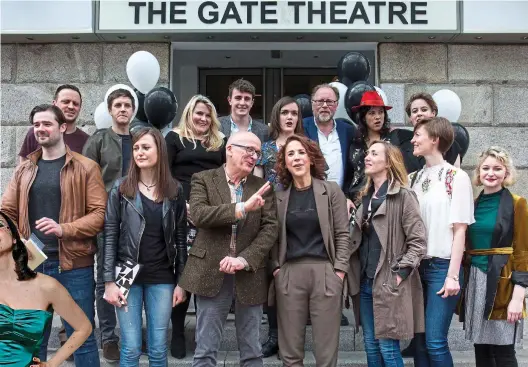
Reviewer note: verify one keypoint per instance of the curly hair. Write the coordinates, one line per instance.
(318, 163)
(362, 135)
(504, 158)
(19, 251)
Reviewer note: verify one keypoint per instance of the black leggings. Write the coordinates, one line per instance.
(489, 355)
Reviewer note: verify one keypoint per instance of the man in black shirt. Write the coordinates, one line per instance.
(112, 150)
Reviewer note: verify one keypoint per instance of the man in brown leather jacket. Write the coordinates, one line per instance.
(59, 196)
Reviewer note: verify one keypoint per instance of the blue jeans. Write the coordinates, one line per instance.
(158, 309)
(380, 352)
(81, 286)
(432, 348)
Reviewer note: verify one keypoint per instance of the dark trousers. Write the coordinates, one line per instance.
(105, 311)
(489, 355)
(178, 316)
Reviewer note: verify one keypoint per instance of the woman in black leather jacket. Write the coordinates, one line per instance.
(145, 229)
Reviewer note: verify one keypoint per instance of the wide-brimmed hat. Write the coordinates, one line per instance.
(371, 99)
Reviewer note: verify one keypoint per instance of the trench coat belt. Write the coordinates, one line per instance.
(491, 251)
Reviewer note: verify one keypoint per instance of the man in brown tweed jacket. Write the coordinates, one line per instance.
(236, 217)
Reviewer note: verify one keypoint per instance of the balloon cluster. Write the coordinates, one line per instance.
(154, 107)
(353, 70)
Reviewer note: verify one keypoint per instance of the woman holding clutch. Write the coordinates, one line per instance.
(145, 228)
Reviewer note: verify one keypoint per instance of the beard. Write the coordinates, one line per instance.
(49, 142)
(326, 117)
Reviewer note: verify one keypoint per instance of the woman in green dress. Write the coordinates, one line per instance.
(25, 298)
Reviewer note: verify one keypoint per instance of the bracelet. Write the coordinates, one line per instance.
(454, 277)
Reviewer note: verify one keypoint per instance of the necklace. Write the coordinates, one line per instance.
(147, 186)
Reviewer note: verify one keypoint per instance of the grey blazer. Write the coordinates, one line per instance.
(258, 128)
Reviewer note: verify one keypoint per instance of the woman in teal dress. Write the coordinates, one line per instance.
(25, 298)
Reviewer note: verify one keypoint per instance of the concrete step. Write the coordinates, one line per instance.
(345, 359)
(349, 341)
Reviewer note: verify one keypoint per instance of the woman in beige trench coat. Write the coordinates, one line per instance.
(388, 241)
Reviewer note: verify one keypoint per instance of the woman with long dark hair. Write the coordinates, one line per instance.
(286, 120)
(26, 298)
(146, 227)
(373, 125)
(195, 145)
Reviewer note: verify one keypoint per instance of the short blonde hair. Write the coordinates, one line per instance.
(504, 158)
(213, 139)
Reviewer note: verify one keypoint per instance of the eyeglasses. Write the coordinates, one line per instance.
(321, 102)
(249, 150)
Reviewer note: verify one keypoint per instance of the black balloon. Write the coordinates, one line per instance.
(137, 125)
(461, 138)
(304, 101)
(160, 107)
(140, 115)
(353, 96)
(353, 67)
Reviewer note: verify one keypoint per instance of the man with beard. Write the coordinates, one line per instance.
(241, 99)
(112, 150)
(334, 137)
(68, 99)
(58, 195)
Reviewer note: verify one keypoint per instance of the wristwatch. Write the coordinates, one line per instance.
(454, 277)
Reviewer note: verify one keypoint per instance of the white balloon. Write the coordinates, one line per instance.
(341, 112)
(143, 70)
(102, 117)
(449, 104)
(123, 86)
(382, 95)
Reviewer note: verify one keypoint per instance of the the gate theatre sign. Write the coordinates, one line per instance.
(277, 16)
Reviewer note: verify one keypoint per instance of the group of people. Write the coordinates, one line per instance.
(297, 217)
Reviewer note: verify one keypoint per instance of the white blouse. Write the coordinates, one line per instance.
(446, 197)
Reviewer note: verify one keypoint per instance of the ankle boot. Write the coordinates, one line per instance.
(271, 346)
(178, 350)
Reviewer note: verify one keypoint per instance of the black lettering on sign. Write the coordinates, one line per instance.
(231, 12)
(377, 5)
(152, 12)
(249, 9)
(359, 13)
(213, 14)
(266, 8)
(312, 12)
(334, 12)
(174, 12)
(137, 8)
(415, 12)
(400, 13)
(296, 9)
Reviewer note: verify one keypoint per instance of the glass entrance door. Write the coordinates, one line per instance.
(271, 84)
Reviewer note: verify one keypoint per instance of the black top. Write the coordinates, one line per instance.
(152, 249)
(370, 248)
(303, 231)
(45, 201)
(126, 149)
(185, 159)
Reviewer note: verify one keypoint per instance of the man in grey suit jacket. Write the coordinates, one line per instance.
(241, 99)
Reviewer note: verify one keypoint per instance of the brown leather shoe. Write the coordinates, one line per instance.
(111, 352)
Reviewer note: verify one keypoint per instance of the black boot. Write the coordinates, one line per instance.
(178, 329)
(409, 351)
(271, 346)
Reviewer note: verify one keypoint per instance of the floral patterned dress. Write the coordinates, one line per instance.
(268, 161)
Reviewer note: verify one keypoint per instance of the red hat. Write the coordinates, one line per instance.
(371, 99)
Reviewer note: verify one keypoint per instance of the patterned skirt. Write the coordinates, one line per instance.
(480, 330)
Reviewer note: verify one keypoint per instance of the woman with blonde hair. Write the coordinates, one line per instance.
(195, 145)
(497, 263)
(388, 242)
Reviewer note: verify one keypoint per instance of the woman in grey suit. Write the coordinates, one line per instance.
(311, 258)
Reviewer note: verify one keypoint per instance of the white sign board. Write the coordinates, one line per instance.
(278, 16)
